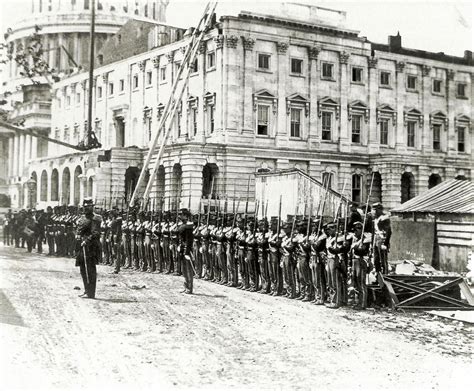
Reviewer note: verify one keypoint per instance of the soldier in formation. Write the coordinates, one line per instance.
(320, 260)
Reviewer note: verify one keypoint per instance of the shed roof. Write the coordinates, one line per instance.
(454, 196)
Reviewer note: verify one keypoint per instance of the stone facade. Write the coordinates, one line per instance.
(270, 93)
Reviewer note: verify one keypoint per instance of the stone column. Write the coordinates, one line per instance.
(10, 156)
(400, 144)
(344, 141)
(16, 155)
(373, 143)
(27, 148)
(21, 155)
(34, 147)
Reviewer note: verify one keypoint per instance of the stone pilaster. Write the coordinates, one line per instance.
(450, 129)
(313, 134)
(282, 64)
(344, 141)
(425, 90)
(344, 178)
(16, 155)
(400, 143)
(391, 185)
(372, 142)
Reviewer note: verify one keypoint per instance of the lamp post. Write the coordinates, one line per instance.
(31, 183)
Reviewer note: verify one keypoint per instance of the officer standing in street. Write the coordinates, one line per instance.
(88, 247)
(186, 237)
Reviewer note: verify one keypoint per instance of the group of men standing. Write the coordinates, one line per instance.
(322, 261)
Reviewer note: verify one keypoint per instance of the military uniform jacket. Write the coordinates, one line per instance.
(88, 232)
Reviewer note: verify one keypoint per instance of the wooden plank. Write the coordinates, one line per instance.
(398, 277)
(392, 294)
(431, 292)
(421, 307)
(412, 288)
(455, 235)
(466, 292)
(455, 228)
(454, 242)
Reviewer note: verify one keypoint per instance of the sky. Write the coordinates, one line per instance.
(438, 26)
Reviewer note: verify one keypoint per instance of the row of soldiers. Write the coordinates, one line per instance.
(323, 261)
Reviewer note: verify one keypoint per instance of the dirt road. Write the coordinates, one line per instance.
(219, 338)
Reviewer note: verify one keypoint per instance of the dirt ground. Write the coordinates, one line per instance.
(142, 333)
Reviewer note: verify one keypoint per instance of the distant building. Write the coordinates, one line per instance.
(62, 29)
(269, 92)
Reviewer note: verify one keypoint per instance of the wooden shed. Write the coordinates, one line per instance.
(298, 192)
(436, 227)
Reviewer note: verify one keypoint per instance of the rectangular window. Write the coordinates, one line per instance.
(66, 134)
(111, 89)
(148, 127)
(356, 127)
(384, 132)
(263, 113)
(385, 78)
(327, 180)
(195, 115)
(86, 4)
(178, 122)
(194, 66)
(264, 61)
(356, 75)
(296, 66)
(163, 74)
(122, 85)
(135, 82)
(411, 82)
(149, 78)
(326, 126)
(78, 97)
(211, 60)
(437, 137)
(437, 86)
(68, 101)
(211, 119)
(461, 90)
(411, 126)
(356, 188)
(295, 130)
(328, 70)
(177, 65)
(461, 140)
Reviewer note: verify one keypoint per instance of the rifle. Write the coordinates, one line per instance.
(199, 213)
(235, 214)
(367, 203)
(257, 204)
(339, 208)
(178, 200)
(247, 205)
(279, 218)
(326, 189)
(209, 203)
(309, 212)
(294, 221)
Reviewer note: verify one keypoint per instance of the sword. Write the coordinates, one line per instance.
(85, 264)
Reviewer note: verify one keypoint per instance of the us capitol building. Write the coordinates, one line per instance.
(267, 92)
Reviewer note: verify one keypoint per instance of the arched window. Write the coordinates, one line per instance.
(77, 185)
(176, 185)
(433, 180)
(55, 185)
(160, 185)
(44, 186)
(407, 187)
(66, 187)
(90, 187)
(209, 179)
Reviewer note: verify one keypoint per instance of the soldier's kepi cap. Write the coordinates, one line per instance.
(88, 202)
(377, 205)
(358, 224)
(329, 225)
